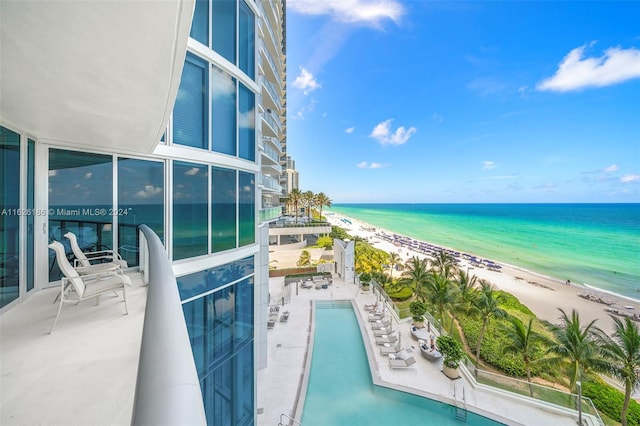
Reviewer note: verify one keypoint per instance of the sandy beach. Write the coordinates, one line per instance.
(542, 294)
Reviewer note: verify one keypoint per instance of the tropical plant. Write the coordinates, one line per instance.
(623, 355)
(369, 258)
(417, 309)
(451, 350)
(444, 264)
(466, 289)
(578, 346)
(525, 341)
(486, 304)
(295, 198)
(441, 294)
(394, 260)
(308, 198)
(416, 275)
(321, 200)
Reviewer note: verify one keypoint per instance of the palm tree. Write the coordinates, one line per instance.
(416, 274)
(623, 354)
(394, 260)
(466, 288)
(486, 303)
(444, 263)
(578, 345)
(441, 294)
(295, 197)
(524, 341)
(307, 201)
(321, 201)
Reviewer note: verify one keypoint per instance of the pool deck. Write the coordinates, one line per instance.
(281, 382)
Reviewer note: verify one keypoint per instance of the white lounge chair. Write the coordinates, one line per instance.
(387, 338)
(401, 360)
(86, 286)
(383, 323)
(391, 348)
(103, 260)
(419, 333)
(382, 331)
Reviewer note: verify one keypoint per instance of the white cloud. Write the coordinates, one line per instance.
(630, 178)
(371, 12)
(576, 72)
(88, 175)
(305, 81)
(488, 165)
(372, 165)
(52, 173)
(611, 168)
(192, 171)
(350, 130)
(383, 134)
(309, 107)
(149, 191)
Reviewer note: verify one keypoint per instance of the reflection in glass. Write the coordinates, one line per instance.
(223, 26)
(31, 164)
(9, 219)
(200, 23)
(223, 112)
(81, 200)
(223, 209)
(246, 208)
(220, 327)
(140, 201)
(190, 210)
(247, 40)
(190, 110)
(246, 123)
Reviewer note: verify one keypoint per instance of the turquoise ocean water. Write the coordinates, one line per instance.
(593, 244)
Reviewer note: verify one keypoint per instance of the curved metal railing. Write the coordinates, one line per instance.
(167, 388)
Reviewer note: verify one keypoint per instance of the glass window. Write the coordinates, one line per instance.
(81, 196)
(223, 25)
(246, 124)
(140, 201)
(9, 218)
(200, 24)
(246, 208)
(190, 113)
(220, 327)
(201, 282)
(190, 210)
(246, 40)
(223, 209)
(223, 112)
(31, 158)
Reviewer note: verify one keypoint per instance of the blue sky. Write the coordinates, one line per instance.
(417, 101)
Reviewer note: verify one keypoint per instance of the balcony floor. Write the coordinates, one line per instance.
(83, 373)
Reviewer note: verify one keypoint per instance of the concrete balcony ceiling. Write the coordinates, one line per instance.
(100, 73)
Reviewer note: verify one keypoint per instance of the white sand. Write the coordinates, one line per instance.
(542, 294)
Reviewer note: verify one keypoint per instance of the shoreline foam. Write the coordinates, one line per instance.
(542, 294)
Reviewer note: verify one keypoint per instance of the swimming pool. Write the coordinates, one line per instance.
(340, 390)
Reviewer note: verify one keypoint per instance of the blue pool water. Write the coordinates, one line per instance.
(340, 390)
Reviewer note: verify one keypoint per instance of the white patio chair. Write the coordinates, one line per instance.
(108, 259)
(90, 286)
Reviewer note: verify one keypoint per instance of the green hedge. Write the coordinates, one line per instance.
(402, 294)
(609, 401)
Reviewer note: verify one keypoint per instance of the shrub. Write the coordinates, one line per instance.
(325, 242)
(417, 309)
(401, 294)
(609, 401)
(451, 350)
(305, 258)
(365, 277)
